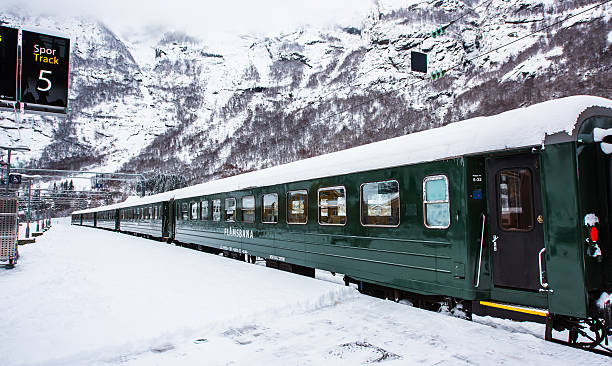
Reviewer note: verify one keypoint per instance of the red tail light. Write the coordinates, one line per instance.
(594, 234)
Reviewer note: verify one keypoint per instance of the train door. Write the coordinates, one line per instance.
(515, 207)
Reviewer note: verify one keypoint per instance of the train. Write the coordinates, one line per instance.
(506, 215)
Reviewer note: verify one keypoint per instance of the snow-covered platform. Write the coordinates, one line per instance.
(81, 296)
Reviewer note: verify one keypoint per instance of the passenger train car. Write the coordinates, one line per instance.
(506, 215)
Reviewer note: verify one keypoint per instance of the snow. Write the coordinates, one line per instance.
(81, 296)
(609, 38)
(590, 219)
(603, 299)
(517, 128)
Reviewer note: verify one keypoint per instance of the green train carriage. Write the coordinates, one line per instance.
(496, 211)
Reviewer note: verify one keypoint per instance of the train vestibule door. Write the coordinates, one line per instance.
(516, 222)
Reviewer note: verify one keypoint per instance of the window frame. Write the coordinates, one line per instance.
(185, 205)
(425, 202)
(319, 205)
(196, 204)
(242, 209)
(287, 207)
(213, 209)
(263, 208)
(225, 209)
(208, 215)
(532, 200)
(399, 208)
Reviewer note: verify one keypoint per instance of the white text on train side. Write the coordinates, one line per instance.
(238, 233)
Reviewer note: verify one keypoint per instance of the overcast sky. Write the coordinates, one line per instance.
(205, 16)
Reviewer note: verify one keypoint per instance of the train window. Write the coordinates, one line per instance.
(216, 208)
(269, 208)
(436, 203)
(204, 210)
(230, 209)
(380, 204)
(248, 209)
(194, 210)
(515, 200)
(297, 207)
(184, 211)
(332, 206)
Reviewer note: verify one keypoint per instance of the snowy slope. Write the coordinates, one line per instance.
(81, 296)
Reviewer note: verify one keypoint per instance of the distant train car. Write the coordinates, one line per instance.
(505, 215)
(76, 219)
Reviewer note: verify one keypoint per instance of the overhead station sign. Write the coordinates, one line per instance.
(45, 63)
(8, 64)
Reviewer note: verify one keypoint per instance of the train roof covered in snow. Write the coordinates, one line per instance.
(549, 122)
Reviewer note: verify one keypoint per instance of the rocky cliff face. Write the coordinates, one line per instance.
(176, 104)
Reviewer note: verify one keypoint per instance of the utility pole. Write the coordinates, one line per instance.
(8, 170)
(27, 235)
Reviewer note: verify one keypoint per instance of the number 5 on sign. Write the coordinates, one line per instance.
(43, 78)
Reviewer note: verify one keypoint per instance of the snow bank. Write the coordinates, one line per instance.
(80, 294)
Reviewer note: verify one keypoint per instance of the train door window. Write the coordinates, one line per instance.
(204, 210)
(332, 206)
(515, 199)
(380, 204)
(248, 209)
(184, 211)
(436, 203)
(194, 210)
(230, 209)
(216, 208)
(156, 213)
(297, 207)
(269, 208)
(150, 214)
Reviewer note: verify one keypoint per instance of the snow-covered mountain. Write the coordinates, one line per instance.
(172, 103)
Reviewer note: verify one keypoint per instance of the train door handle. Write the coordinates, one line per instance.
(494, 241)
